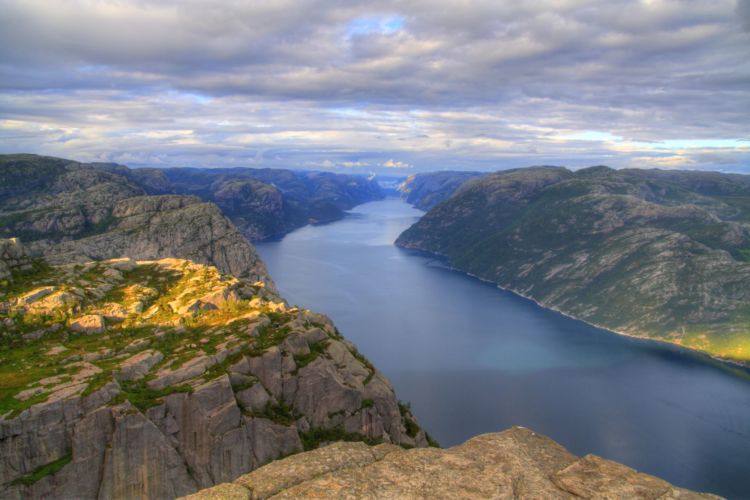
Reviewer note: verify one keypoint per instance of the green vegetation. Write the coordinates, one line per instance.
(313, 438)
(412, 427)
(43, 471)
(362, 359)
(280, 414)
(431, 441)
(316, 349)
(143, 397)
(635, 251)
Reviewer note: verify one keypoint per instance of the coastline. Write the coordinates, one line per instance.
(443, 260)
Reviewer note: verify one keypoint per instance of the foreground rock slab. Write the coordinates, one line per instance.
(516, 463)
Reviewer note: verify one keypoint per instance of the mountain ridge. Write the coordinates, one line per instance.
(652, 254)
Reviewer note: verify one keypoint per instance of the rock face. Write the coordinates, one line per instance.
(647, 253)
(72, 212)
(13, 259)
(153, 227)
(112, 385)
(516, 463)
(429, 189)
(261, 202)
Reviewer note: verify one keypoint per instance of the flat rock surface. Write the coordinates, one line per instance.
(516, 463)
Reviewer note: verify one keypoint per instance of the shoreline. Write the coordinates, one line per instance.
(443, 260)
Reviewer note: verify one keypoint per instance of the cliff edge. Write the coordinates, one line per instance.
(516, 463)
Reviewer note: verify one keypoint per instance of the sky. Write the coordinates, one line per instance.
(390, 87)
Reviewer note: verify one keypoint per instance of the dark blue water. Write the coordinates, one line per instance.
(472, 359)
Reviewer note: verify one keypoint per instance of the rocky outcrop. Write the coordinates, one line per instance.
(255, 207)
(426, 190)
(72, 212)
(13, 259)
(124, 390)
(270, 202)
(56, 199)
(516, 463)
(154, 227)
(663, 255)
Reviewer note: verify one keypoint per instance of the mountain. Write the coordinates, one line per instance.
(261, 202)
(424, 191)
(516, 463)
(649, 253)
(153, 379)
(72, 212)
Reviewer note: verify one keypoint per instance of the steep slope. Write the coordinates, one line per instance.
(152, 379)
(54, 199)
(262, 202)
(72, 212)
(647, 253)
(424, 191)
(516, 463)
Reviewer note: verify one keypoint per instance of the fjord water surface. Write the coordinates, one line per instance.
(473, 359)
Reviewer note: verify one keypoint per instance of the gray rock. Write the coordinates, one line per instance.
(254, 399)
(136, 367)
(516, 463)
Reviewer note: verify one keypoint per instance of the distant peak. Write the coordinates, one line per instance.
(595, 170)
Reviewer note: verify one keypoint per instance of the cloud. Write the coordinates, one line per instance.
(396, 164)
(439, 83)
(743, 13)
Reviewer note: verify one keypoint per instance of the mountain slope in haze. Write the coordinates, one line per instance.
(262, 202)
(72, 212)
(648, 253)
(424, 191)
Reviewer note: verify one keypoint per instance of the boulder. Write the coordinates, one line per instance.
(137, 366)
(91, 323)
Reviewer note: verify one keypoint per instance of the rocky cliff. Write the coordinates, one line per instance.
(153, 379)
(152, 227)
(426, 190)
(516, 463)
(261, 202)
(647, 253)
(72, 212)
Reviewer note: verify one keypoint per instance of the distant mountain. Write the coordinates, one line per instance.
(261, 202)
(73, 212)
(649, 253)
(424, 191)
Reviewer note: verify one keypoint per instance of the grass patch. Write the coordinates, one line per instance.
(362, 359)
(272, 334)
(316, 349)
(43, 471)
(143, 397)
(412, 427)
(280, 414)
(313, 438)
(432, 442)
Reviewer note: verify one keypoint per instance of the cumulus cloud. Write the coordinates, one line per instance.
(352, 84)
(396, 164)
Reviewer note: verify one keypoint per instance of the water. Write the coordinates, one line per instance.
(472, 359)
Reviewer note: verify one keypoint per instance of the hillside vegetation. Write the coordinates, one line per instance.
(658, 254)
